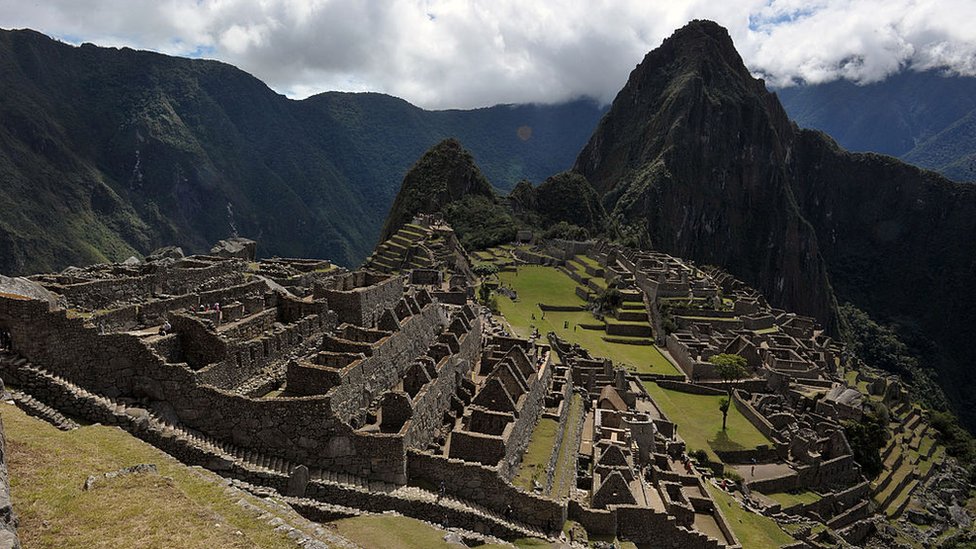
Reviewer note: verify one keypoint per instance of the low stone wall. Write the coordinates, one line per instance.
(598, 522)
(483, 485)
(692, 388)
(628, 330)
(753, 415)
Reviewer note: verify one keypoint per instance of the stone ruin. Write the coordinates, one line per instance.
(388, 388)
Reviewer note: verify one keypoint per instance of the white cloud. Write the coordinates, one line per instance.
(446, 53)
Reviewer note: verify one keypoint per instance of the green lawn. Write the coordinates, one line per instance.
(753, 530)
(539, 284)
(787, 499)
(535, 462)
(700, 421)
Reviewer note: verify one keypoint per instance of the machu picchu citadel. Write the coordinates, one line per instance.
(391, 388)
(233, 318)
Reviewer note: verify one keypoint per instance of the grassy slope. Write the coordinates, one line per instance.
(177, 508)
(700, 421)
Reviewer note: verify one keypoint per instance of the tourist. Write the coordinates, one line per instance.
(441, 491)
(165, 328)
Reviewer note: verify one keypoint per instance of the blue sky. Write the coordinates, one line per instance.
(462, 54)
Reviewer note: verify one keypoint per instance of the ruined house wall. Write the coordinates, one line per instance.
(245, 360)
(363, 381)
(300, 429)
(363, 306)
(753, 415)
(99, 294)
(525, 423)
(435, 397)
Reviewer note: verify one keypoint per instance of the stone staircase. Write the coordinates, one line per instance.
(195, 448)
(33, 407)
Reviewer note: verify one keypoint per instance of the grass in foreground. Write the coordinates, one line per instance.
(700, 421)
(753, 530)
(176, 508)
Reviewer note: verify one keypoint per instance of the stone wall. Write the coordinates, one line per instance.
(482, 485)
(365, 380)
(753, 415)
(360, 297)
(435, 397)
(301, 429)
(524, 424)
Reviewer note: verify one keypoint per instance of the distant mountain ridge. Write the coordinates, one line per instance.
(107, 153)
(925, 118)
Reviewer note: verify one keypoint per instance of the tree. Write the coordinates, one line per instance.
(730, 368)
(723, 405)
(484, 292)
(609, 299)
(485, 269)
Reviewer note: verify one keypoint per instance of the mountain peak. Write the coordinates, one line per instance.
(444, 174)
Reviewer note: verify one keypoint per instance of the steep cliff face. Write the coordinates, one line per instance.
(899, 243)
(703, 160)
(698, 155)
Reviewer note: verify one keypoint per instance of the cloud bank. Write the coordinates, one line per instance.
(453, 54)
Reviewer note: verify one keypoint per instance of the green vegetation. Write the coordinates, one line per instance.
(867, 437)
(730, 368)
(880, 347)
(565, 478)
(701, 427)
(753, 530)
(539, 284)
(179, 507)
(789, 499)
(535, 461)
(80, 187)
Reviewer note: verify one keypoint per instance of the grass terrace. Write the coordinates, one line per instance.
(540, 284)
(535, 462)
(789, 499)
(753, 530)
(700, 421)
(565, 478)
(398, 532)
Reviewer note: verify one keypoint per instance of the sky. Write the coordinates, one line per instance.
(463, 54)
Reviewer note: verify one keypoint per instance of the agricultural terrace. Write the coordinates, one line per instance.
(537, 284)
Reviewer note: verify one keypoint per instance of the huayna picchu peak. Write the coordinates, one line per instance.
(713, 329)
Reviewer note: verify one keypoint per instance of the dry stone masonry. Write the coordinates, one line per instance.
(389, 388)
